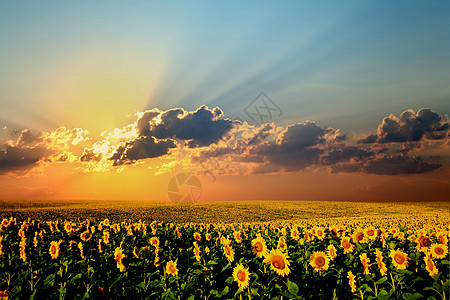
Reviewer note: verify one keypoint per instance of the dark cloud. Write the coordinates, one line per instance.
(346, 153)
(300, 146)
(387, 165)
(141, 148)
(306, 145)
(198, 128)
(33, 150)
(21, 159)
(410, 127)
(26, 138)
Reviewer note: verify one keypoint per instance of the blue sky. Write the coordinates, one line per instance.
(344, 64)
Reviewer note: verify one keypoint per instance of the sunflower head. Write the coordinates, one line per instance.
(171, 268)
(439, 251)
(399, 259)
(259, 247)
(242, 276)
(278, 262)
(319, 261)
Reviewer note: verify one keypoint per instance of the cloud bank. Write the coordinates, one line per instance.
(203, 139)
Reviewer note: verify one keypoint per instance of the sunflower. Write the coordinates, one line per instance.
(5, 222)
(105, 237)
(381, 264)
(106, 222)
(100, 246)
(197, 251)
(423, 242)
(1, 244)
(365, 261)
(399, 259)
(23, 254)
(171, 268)
(319, 261)
(370, 233)
(278, 262)
(119, 256)
(351, 281)
(319, 232)
(228, 252)
(85, 236)
(358, 236)
(154, 241)
(345, 243)
(54, 249)
(259, 247)
(242, 276)
(237, 237)
(439, 251)
(136, 252)
(282, 244)
(331, 252)
(442, 238)
(68, 227)
(197, 236)
(295, 235)
(80, 246)
(208, 236)
(430, 266)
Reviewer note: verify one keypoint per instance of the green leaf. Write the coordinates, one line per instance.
(437, 286)
(229, 280)
(382, 295)
(381, 280)
(238, 292)
(224, 291)
(292, 288)
(445, 262)
(76, 277)
(409, 296)
(49, 280)
(226, 267)
(140, 285)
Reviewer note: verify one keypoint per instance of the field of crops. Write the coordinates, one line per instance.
(388, 253)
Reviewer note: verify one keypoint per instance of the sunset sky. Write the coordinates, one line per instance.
(298, 100)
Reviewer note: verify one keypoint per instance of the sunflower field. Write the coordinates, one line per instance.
(384, 258)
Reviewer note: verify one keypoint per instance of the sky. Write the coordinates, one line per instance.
(296, 100)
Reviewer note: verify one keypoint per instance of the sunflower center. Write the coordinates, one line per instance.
(439, 251)
(241, 275)
(399, 259)
(320, 261)
(258, 246)
(359, 236)
(53, 249)
(171, 269)
(227, 250)
(426, 242)
(278, 262)
(430, 264)
(345, 244)
(370, 232)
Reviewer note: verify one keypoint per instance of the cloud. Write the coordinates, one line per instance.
(21, 159)
(141, 148)
(203, 139)
(410, 127)
(387, 165)
(199, 128)
(307, 145)
(37, 150)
